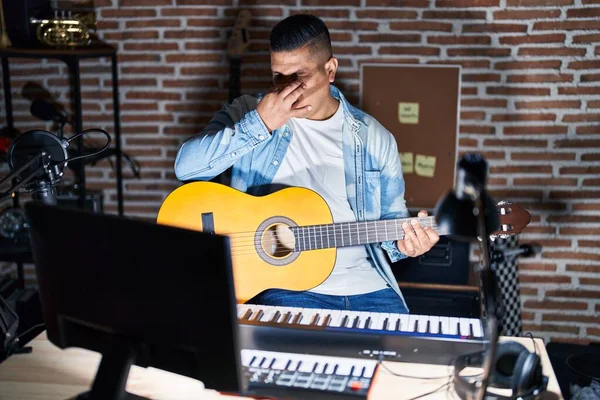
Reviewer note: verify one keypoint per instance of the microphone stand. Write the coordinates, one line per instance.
(487, 285)
(46, 192)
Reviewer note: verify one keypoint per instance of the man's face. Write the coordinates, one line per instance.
(316, 72)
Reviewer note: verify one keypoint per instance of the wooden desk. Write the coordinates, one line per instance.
(51, 373)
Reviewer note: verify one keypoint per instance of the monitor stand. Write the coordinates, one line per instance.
(112, 374)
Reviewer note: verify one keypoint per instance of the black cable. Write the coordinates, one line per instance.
(108, 141)
(534, 343)
(380, 362)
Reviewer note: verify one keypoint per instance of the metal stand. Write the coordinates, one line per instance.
(71, 58)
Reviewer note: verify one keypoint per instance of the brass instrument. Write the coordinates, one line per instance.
(67, 30)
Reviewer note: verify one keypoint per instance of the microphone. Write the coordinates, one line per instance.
(47, 112)
(38, 158)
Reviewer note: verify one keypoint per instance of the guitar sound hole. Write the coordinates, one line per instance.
(278, 241)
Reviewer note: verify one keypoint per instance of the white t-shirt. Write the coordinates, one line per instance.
(314, 160)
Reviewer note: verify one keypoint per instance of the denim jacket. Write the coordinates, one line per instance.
(237, 137)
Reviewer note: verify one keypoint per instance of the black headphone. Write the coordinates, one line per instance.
(514, 367)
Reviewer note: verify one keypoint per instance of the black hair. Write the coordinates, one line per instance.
(301, 30)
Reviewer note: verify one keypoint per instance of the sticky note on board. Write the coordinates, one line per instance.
(408, 113)
(425, 165)
(407, 162)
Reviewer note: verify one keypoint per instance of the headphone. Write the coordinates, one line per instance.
(514, 367)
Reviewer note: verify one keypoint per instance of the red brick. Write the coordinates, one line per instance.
(399, 3)
(583, 268)
(523, 278)
(575, 194)
(186, 12)
(459, 39)
(484, 103)
(579, 294)
(569, 143)
(518, 91)
(545, 51)
(478, 52)
(526, 266)
(545, 181)
(526, 14)
(551, 328)
(571, 25)
(388, 37)
(538, 3)
(587, 12)
(542, 156)
(536, 130)
(385, 14)
(417, 50)
(151, 23)
(571, 318)
(494, 27)
(543, 64)
(589, 38)
(421, 26)
(524, 117)
(543, 38)
(453, 15)
(557, 305)
(590, 281)
(548, 104)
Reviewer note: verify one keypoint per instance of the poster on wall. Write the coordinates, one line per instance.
(419, 105)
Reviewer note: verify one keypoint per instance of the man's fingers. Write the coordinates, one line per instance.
(299, 112)
(422, 237)
(410, 239)
(422, 213)
(297, 86)
(433, 236)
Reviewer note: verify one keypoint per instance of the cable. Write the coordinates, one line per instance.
(380, 362)
(534, 343)
(108, 141)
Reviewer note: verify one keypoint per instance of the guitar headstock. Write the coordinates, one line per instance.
(240, 38)
(513, 219)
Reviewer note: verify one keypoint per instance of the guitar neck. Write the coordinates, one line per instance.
(343, 234)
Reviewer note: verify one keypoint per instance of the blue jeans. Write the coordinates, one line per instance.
(385, 300)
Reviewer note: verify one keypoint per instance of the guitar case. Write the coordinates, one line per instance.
(506, 272)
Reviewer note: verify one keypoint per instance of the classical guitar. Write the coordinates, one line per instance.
(286, 239)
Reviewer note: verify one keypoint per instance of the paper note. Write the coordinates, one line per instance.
(407, 162)
(408, 113)
(425, 165)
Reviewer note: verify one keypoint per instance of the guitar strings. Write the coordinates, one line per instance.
(246, 242)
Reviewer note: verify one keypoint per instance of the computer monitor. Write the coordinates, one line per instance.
(138, 293)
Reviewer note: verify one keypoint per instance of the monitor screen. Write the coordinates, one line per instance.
(137, 292)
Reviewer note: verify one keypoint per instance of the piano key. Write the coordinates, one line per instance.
(280, 363)
(453, 325)
(423, 324)
(434, 324)
(477, 329)
(445, 321)
(376, 322)
(465, 327)
(330, 368)
(412, 320)
(364, 318)
(344, 368)
(306, 366)
(293, 365)
(403, 322)
(307, 316)
(369, 370)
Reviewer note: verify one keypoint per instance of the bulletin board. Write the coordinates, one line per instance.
(419, 105)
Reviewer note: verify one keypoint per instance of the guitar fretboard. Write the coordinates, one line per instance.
(343, 234)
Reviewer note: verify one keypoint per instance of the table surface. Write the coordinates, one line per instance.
(52, 373)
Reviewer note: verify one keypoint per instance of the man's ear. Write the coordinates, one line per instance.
(331, 68)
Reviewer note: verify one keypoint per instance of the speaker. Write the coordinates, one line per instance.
(514, 368)
(17, 14)
(446, 263)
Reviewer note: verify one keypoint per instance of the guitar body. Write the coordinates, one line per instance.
(253, 224)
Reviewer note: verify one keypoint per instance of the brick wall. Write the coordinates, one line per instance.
(530, 102)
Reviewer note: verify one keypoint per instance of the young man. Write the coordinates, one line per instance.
(304, 133)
